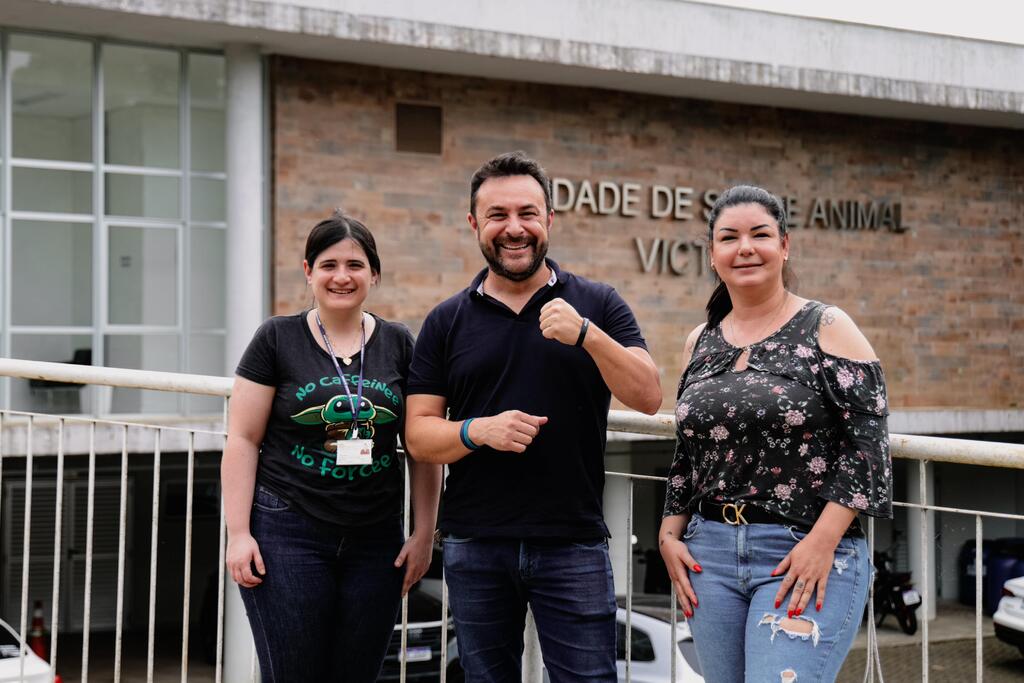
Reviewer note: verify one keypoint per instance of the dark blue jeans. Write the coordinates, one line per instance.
(328, 602)
(567, 585)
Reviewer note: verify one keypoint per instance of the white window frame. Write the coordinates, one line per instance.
(100, 221)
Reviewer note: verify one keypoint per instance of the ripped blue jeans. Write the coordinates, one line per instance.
(740, 636)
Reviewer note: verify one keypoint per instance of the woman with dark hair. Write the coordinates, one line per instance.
(312, 480)
(781, 442)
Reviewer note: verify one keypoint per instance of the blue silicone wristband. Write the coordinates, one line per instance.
(464, 435)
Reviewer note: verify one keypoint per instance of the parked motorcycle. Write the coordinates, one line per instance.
(894, 594)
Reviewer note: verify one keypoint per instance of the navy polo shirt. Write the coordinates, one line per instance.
(484, 359)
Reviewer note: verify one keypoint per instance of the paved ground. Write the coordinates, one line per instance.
(951, 651)
(947, 662)
(134, 655)
(951, 655)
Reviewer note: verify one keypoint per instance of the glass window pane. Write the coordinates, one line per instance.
(51, 281)
(51, 397)
(142, 352)
(207, 86)
(142, 196)
(207, 278)
(208, 200)
(37, 189)
(140, 93)
(51, 98)
(143, 276)
(206, 357)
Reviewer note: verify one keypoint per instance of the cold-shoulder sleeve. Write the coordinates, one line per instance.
(862, 474)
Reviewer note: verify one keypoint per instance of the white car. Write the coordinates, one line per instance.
(1009, 616)
(651, 647)
(36, 670)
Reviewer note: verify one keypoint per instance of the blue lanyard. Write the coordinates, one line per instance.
(358, 400)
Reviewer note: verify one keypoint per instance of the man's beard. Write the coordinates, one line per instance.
(491, 252)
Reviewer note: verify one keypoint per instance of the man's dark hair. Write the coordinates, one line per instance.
(510, 164)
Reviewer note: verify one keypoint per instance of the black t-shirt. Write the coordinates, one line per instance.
(293, 461)
(484, 359)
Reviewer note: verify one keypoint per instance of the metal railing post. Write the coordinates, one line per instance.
(122, 539)
(187, 589)
(90, 509)
(674, 620)
(926, 596)
(629, 580)
(978, 598)
(444, 628)
(403, 652)
(57, 538)
(533, 664)
(154, 546)
(26, 546)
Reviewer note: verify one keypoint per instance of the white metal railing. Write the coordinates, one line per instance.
(17, 434)
(18, 431)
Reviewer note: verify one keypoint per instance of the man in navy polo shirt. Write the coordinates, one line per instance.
(510, 385)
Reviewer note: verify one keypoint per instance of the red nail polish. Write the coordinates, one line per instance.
(688, 613)
(777, 603)
(697, 568)
(695, 603)
(789, 614)
(818, 607)
(799, 611)
(774, 571)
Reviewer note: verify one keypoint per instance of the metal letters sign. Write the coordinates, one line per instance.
(676, 203)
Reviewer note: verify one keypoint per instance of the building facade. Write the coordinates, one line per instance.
(163, 162)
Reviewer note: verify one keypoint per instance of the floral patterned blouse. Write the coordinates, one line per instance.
(796, 428)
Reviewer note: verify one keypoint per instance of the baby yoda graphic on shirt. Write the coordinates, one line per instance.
(336, 416)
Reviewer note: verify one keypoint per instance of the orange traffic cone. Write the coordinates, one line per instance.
(38, 637)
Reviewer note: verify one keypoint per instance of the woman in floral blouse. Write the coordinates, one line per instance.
(781, 442)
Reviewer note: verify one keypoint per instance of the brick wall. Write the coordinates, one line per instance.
(943, 302)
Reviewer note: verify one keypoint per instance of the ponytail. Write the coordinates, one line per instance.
(719, 305)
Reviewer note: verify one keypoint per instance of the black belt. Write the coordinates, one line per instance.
(740, 513)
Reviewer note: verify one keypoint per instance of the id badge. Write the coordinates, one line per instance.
(355, 451)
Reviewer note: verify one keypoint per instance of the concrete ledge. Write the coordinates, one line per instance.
(110, 436)
(952, 421)
(681, 49)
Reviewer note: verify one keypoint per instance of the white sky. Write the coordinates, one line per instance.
(999, 20)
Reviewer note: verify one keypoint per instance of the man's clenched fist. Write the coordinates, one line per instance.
(560, 321)
(512, 430)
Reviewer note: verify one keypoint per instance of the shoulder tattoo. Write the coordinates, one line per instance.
(828, 317)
